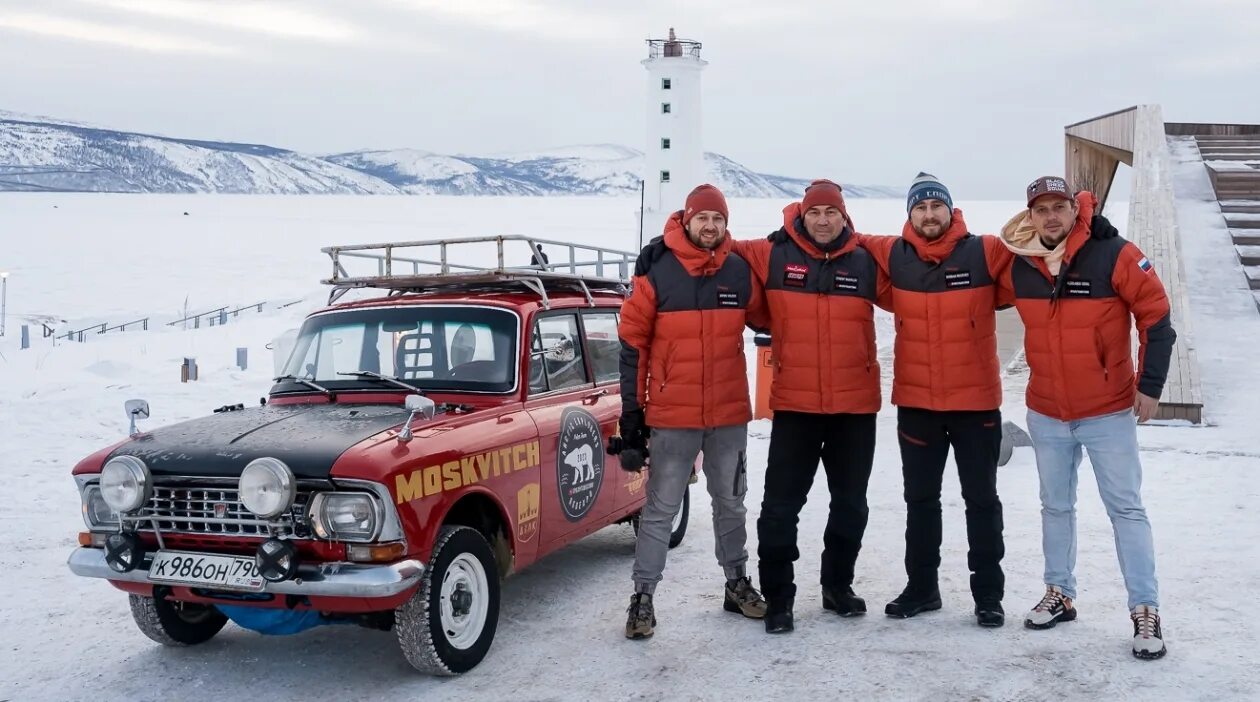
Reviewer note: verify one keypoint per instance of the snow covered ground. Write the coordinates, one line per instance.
(93, 258)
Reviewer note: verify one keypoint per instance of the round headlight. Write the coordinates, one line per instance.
(125, 483)
(267, 487)
(345, 516)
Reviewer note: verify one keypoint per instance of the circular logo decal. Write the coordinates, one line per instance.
(579, 462)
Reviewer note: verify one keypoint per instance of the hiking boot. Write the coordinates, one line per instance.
(1053, 608)
(1148, 636)
(778, 617)
(989, 613)
(842, 601)
(641, 619)
(743, 598)
(911, 602)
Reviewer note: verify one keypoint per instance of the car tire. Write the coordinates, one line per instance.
(440, 634)
(679, 528)
(173, 623)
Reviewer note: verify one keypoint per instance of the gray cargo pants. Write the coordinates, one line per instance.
(674, 452)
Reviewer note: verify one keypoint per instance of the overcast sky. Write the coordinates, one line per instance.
(977, 91)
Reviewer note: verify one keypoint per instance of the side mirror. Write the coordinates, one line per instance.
(561, 352)
(136, 409)
(415, 404)
(419, 404)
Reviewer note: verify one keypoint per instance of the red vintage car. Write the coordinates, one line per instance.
(418, 447)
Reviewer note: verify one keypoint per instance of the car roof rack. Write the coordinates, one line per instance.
(427, 266)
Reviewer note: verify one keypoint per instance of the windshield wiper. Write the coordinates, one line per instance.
(332, 396)
(387, 379)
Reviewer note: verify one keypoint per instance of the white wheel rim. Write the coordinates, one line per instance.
(464, 575)
(678, 517)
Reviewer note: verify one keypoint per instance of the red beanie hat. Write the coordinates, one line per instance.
(704, 197)
(823, 192)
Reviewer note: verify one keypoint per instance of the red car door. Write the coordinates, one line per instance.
(603, 347)
(577, 492)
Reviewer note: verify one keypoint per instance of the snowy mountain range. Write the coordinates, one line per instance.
(38, 153)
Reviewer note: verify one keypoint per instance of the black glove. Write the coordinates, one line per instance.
(631, 446)
(634, 431)
(633, 459)
(1101, 228)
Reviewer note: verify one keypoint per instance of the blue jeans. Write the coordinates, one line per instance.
(1113, 451)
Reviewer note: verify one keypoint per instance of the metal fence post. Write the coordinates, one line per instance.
(242, 358)
(26, 336)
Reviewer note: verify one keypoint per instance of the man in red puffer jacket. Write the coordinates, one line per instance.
(1080, 299)
(820, 288)
(684, 374)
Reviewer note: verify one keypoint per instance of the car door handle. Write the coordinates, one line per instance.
(594, 397)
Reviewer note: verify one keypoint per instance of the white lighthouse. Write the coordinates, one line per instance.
(673, 160)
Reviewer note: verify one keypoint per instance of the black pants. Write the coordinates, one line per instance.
(925, 437)
(846, 445)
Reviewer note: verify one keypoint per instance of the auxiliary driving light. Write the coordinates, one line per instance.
(123, 552)
(125, 484)
(267, 487)
(277, 560)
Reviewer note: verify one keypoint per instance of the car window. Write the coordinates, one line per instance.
(603, 345)
(435, 348)
(556, 361)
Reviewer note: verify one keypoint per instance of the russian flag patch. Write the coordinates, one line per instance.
(1145, 264)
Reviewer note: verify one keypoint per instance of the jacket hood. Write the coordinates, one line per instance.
(941, 247)
(1021, 238)
(696, 260)
(793, 224)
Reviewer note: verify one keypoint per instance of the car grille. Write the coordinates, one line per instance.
(218, 510)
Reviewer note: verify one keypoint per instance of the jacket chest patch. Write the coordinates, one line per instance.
(846, 282)
(727, 298)
(794, 275)
(1077, 288)
(957, 279)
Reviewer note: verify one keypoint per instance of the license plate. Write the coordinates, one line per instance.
(226, 572)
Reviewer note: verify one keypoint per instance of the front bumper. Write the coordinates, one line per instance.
(312, 579)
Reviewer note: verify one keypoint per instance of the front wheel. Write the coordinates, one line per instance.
(175, 623)
(678, 528)
(447, 626)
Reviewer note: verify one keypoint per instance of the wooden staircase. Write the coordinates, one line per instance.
(1233, 164)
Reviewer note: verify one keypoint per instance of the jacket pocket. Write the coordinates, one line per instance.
(1100, 350)
(975, 339)
(665, 367)
(869, 344)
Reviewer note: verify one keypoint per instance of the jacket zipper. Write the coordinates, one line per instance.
(669, 358)
(1101, 351)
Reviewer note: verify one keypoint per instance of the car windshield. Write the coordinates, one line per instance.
(453, 348)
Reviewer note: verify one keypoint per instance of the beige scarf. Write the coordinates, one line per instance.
(1021, 238)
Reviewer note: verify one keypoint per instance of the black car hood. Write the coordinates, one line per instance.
(308, 438)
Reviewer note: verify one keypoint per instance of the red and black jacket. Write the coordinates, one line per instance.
(943, 298)
(682, 333)
(822, 322)
(1078, 325)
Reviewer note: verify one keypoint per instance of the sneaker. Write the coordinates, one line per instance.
(1053, 608)
(842, 601)
(641, 622)
(743, 598)
(778, 617)
(911, 602)
(989, 613)
(1148, 636)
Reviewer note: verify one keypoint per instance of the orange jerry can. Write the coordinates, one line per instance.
(765, 377)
